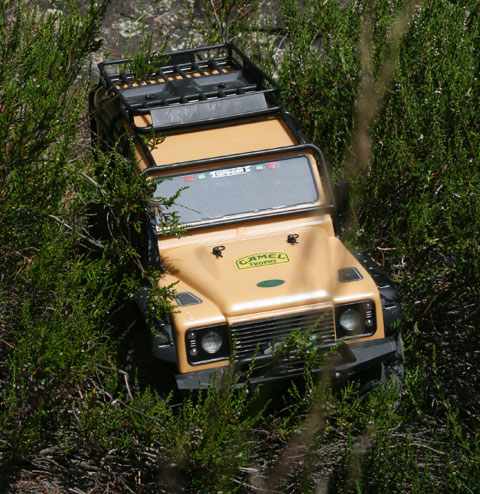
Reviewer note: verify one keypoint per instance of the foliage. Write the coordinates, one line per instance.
(47, 338)
(427, 132)
(413, 170)
(319, 69)
(387, 89)
(144, 56)
(219, 21)
(415, 181)
(60, 286)
(189, 442)
(416, 190)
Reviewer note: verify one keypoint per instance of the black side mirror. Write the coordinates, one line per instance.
(341, 195)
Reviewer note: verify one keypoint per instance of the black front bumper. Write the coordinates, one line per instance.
(348, 361)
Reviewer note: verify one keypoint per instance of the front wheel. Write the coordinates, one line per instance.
(391, 373)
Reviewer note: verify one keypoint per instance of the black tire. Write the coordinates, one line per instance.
(391, 374)
(394, 370)
(144, 370)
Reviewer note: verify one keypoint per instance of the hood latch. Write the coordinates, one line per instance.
(217, 251)
(292, 238)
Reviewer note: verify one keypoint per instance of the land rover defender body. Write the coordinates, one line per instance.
(263, 255)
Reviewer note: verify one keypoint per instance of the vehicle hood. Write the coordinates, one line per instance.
(256, 274)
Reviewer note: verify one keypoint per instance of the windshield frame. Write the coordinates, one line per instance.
(325, 191)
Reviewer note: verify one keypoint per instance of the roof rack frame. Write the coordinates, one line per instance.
(173, 95)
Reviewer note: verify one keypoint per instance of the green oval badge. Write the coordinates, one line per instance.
(270, 283)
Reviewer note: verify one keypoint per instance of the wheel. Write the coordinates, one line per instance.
(144, 370)
(391, 373)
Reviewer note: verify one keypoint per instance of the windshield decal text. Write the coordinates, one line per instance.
(230, 172)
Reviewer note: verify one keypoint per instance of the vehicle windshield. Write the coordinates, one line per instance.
(238, 190)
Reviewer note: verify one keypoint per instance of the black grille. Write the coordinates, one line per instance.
(247, 336)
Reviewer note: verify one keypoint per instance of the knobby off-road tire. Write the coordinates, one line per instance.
(392, 372)
(147, 372)
(144, 370)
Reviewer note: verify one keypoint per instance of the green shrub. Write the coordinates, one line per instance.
(424, 168)
(415, 196)
(46, 340)
(389, 90)
(219, 21)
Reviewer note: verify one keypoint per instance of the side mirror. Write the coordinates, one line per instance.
(341, 193)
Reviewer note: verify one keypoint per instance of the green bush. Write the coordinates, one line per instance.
(47, 342)
(318, 73)
(415, 181)
(389, 91)
(220, 21)
(418, 192)
(431, 159)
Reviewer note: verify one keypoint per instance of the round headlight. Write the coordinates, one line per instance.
(211, 342)
(350, 320)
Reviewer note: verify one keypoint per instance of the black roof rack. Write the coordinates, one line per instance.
(193, 87)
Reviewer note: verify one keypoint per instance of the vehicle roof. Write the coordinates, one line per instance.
(223, 141)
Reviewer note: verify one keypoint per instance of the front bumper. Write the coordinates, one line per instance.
(348, 361)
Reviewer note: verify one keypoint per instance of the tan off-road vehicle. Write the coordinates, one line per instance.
(263, 255)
